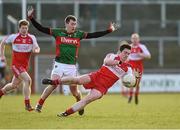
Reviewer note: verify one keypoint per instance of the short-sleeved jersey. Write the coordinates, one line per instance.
(134, 59)
(67, 45)
(121, 69)
(140, 48)
(22, 47)
(106, 76)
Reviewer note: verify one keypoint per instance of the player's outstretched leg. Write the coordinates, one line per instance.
(77, 94)
(47, 81)
(50, 82)
(92, 96)
(81, 112)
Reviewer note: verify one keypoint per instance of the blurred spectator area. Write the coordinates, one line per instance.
(157, 22)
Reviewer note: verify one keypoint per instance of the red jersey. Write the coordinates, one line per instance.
(134, 59)
(106, 76)
(22, 47)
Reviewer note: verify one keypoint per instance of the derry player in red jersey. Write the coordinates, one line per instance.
(139, 52)
(23, 44)
(113, 68)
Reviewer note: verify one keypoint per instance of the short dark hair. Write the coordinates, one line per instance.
(70, 17)
(124, 45)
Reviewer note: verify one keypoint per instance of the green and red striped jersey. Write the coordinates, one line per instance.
(67, 45)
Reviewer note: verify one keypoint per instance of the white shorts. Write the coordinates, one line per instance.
(61, 69)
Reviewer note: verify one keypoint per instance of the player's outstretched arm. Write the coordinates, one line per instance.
(30, 14)
(110, 60)
(112, 27)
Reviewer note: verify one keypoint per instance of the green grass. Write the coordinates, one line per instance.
(112, 111)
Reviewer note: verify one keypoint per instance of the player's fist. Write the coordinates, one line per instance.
(36, 50)
(113, 26)
(30, 12)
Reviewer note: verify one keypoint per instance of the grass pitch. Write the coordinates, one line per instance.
(161, 111)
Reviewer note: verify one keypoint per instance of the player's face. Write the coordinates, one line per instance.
(124, 54)
(71, 26)
(135, 39)
(23, 29)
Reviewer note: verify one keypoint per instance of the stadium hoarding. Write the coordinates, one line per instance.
(155, 83)
(160, 83)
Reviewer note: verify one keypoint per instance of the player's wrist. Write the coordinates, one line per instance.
(109, 30)
(30, 17)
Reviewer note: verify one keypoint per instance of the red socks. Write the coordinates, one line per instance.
(41, 101)
(69, 111)
(1, 93)
(27, 102)
(56, 82)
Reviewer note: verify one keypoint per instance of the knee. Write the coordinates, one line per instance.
(28, 81)
(79, 81)
(75, 80)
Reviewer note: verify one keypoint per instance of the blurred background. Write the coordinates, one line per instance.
(156, 21)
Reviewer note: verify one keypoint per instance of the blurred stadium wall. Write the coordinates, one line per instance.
(157, 22)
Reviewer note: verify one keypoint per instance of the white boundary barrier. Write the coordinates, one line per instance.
(155, 83)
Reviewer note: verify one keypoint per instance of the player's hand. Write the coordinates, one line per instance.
(36, 50)
(30, 12)
(137, 73)
(113, 27)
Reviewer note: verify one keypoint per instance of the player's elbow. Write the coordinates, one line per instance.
(108, 63)
(105, 61)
